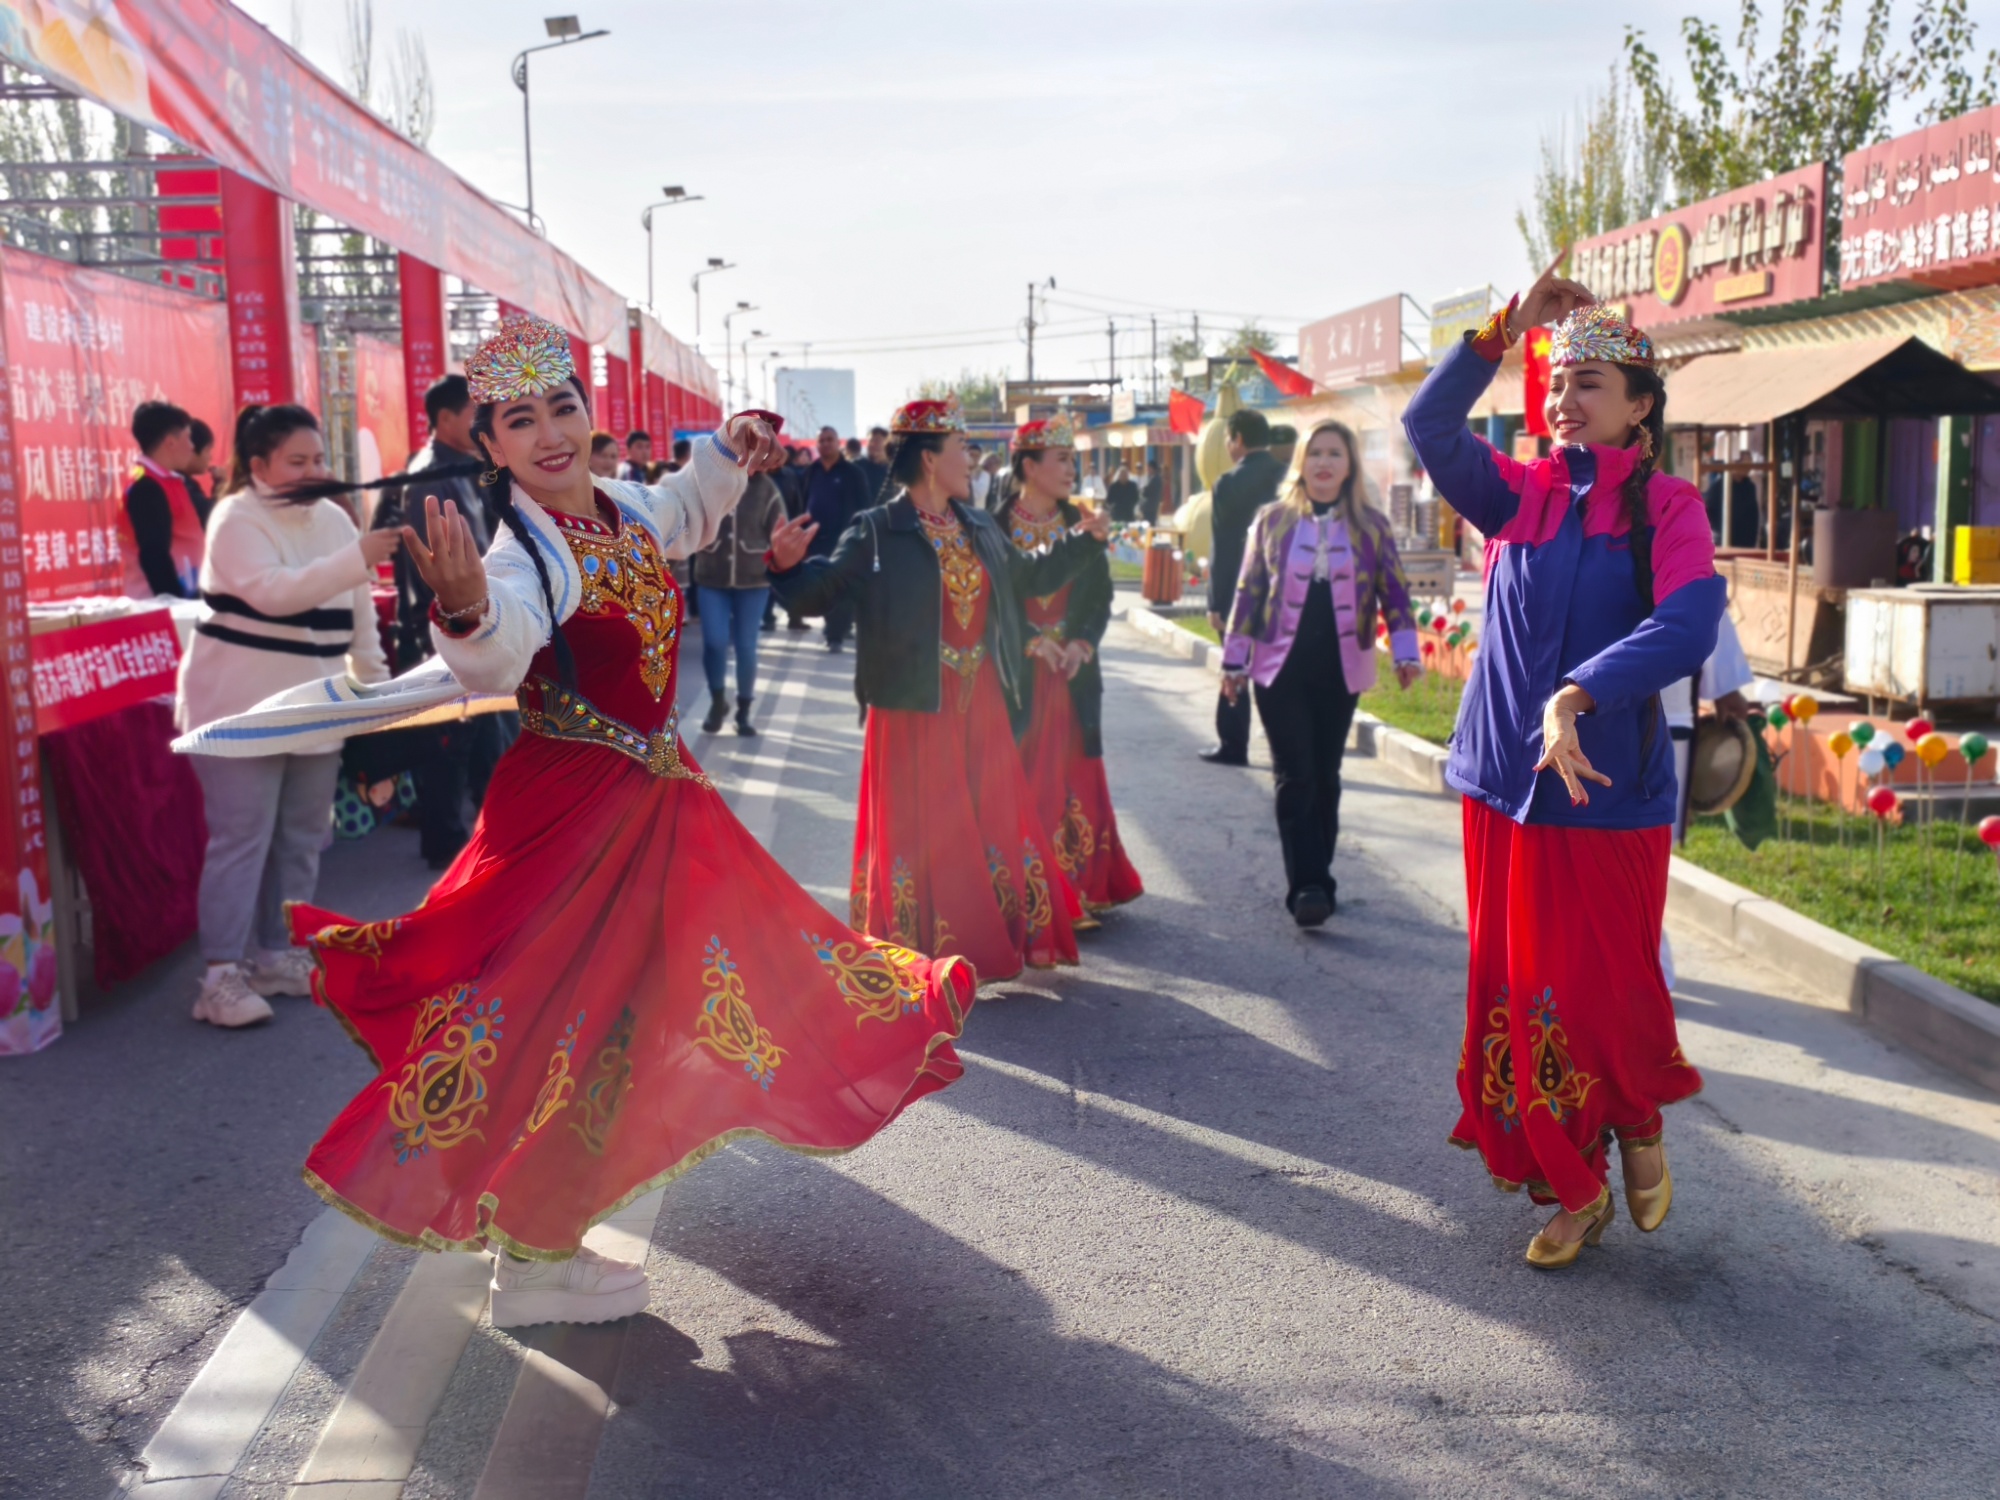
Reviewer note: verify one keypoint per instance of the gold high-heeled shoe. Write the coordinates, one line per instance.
(1648, 1206)
(1545, 1254)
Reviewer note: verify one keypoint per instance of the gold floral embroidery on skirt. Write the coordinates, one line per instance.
(1076, 840)
(728, 1025)
(903, 902)
(1004, 895)
(878, 979)
(365, 939)
(557, 1087)
(1038, 910)
(604, 1095)
(439, 1097)
(1557, 1084)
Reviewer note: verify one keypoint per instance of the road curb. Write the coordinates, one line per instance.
(1954, 1029)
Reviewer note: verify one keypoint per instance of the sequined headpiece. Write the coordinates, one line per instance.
(1596, 332)
(928, 417)
(529, 356)
(1056, 432)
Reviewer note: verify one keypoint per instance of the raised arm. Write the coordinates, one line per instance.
(811, 585)
(1474, 480)
(687, 506)
(1671, 644)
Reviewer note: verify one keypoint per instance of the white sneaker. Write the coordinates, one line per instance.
(228, 1000)
(586, 1288)
(285, 973)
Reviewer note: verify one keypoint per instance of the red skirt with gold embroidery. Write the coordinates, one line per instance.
(1569, 1035)
(949, 856)
(612, 981)
(1073, 800)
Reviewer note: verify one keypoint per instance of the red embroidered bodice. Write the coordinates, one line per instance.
(966, 589)
(1032, 534)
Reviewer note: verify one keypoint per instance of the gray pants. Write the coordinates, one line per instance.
(267, 821)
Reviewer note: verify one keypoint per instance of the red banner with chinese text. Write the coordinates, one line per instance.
(29, 1016)
(381, 419)
(421, 288)
(84, 348)
(91, 670)
(210, 76)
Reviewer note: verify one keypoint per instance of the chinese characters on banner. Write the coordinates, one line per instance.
(1924, 206)
(29, 1016)
(1758, 246)
(84, 348)
(1354, 347)
(91, 670)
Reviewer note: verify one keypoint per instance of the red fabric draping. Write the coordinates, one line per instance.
(1185, 413)
(131, 812)
(1286, 380)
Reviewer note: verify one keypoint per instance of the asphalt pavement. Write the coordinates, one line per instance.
(1189, 1225)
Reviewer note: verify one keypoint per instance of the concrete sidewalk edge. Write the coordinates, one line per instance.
(1954, 1029)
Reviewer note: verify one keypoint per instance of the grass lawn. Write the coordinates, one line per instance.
(1427, 710)
(1127, 572)
(1953, 936)
(1198, 625)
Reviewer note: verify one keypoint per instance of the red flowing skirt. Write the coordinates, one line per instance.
(1569, 1033)
(1073, 800)
(612, 981)
(949, 855)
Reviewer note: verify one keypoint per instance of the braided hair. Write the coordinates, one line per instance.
(1643, 380)
(500, 496)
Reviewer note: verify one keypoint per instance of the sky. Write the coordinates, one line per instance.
(889, 177)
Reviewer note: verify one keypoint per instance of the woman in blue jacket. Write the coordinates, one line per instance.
(1600, 592)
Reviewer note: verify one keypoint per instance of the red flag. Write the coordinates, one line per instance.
(1289, 382)
(1185, 413)
(1535, 380)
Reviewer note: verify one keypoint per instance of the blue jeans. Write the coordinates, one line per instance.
(730, 615)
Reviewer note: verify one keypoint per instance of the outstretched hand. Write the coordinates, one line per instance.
(1551, 299)
(789, 540)
(450, 564)
(755, 442)
(1094, 523)
(1563, 748)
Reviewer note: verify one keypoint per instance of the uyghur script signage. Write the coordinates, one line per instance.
(1455, 317)
(1758, 246)
(1924, 207)
(1354, 347)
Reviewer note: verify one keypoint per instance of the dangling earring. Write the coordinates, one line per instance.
(492, 477)
(1645, 442)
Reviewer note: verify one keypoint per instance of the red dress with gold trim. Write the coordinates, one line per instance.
(1072, 798)
(614, 978)
(949, 855)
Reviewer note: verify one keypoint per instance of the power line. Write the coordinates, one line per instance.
(1169, 307)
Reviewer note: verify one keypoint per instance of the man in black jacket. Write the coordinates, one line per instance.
(446, 759)
(836, 492)
(1239, 495)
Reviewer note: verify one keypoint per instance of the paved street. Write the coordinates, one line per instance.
(1188, 1227)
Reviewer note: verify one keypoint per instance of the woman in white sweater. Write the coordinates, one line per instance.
(285, 593)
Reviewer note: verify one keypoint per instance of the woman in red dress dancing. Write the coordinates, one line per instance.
(950, 856)
(1063, 749)
(613, 979)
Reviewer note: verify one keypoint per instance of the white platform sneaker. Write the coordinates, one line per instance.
(228, 1000)
(586, 1288)
(285, 973)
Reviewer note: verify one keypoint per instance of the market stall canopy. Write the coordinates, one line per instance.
(1895, 376)
(206, 74)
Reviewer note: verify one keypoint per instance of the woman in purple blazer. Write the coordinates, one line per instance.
(1318, 567)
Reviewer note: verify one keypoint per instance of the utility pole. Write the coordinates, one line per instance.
(1154, 384)
(1111, 334)
(1031, 333)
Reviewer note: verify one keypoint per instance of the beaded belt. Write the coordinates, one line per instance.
(575, 718)
(965, 662)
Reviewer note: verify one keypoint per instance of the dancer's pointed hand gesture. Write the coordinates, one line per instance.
(789, 540)
(450, 564)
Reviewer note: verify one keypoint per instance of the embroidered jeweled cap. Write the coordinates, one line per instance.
(928, 417)
(1596, 332)
(529, 356)
(1055, 432)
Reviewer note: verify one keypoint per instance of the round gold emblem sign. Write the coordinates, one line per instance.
(1670, 265)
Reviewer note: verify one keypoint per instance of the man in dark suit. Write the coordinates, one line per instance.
(836, 492)
(1239, 495)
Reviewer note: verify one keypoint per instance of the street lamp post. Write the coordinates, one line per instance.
(744, 392)
(675, 196)
(567, 31)
(715, 263)
(729, 369)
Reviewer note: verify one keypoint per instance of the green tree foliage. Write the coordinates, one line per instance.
(1592, 177)
(977, 391)
(1758, 110)
(1250, 335)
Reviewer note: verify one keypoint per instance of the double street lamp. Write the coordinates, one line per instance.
(675, 197)
(567, 31)
(715, 263)
(728, 368)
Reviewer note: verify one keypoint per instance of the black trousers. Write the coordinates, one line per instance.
(839, 621)
(1306, 714)
(1232, 726)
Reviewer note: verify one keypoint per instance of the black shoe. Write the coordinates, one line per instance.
(743, 724)
(795, 623)
(1222, 755)
(1312, 906)
(834, 647)
(718, 711)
